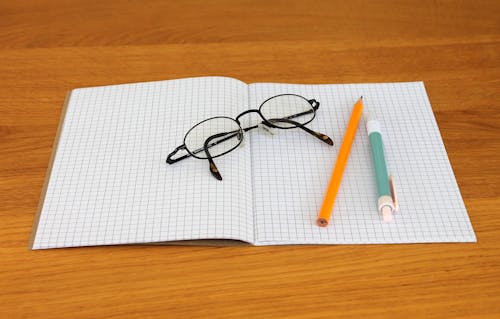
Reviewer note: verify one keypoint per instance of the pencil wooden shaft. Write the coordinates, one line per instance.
(334, 184)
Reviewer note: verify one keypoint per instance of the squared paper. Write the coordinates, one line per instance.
(109, 183)
(291, 171)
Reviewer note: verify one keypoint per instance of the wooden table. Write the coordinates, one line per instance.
(50, 47)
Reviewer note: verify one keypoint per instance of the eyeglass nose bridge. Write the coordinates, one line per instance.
(247, 112)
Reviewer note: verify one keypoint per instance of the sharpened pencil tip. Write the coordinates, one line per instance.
(321, 222)
(361, 97)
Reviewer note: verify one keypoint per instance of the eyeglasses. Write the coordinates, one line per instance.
(220, 135)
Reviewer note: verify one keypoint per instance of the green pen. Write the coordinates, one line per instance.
(387, 201)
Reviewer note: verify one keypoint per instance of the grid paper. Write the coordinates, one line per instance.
(291, 171)
(110, 183)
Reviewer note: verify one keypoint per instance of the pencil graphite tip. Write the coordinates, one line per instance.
(322, 222)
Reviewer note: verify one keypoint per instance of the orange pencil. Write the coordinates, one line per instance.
(338, 171)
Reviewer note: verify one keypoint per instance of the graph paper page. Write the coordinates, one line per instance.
(110, 183)
(291, 171)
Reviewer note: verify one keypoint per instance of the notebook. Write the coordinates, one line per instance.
(108, 182)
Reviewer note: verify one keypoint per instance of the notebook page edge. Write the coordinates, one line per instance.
(48, 171)
(454, 179)
(166, 80)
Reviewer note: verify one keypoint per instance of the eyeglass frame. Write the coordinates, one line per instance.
(213, 169)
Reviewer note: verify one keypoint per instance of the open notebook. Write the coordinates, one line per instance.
(108, 182)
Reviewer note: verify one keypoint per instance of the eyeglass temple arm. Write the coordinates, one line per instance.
(315, 106)
(201, 149)
(323, 137)
(213, 168)
(171, 160)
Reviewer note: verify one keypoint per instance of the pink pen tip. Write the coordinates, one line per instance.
(386, 214)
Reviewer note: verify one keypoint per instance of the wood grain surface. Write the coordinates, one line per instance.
(50, 47)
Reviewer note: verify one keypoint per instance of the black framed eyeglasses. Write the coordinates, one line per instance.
(220, 135)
